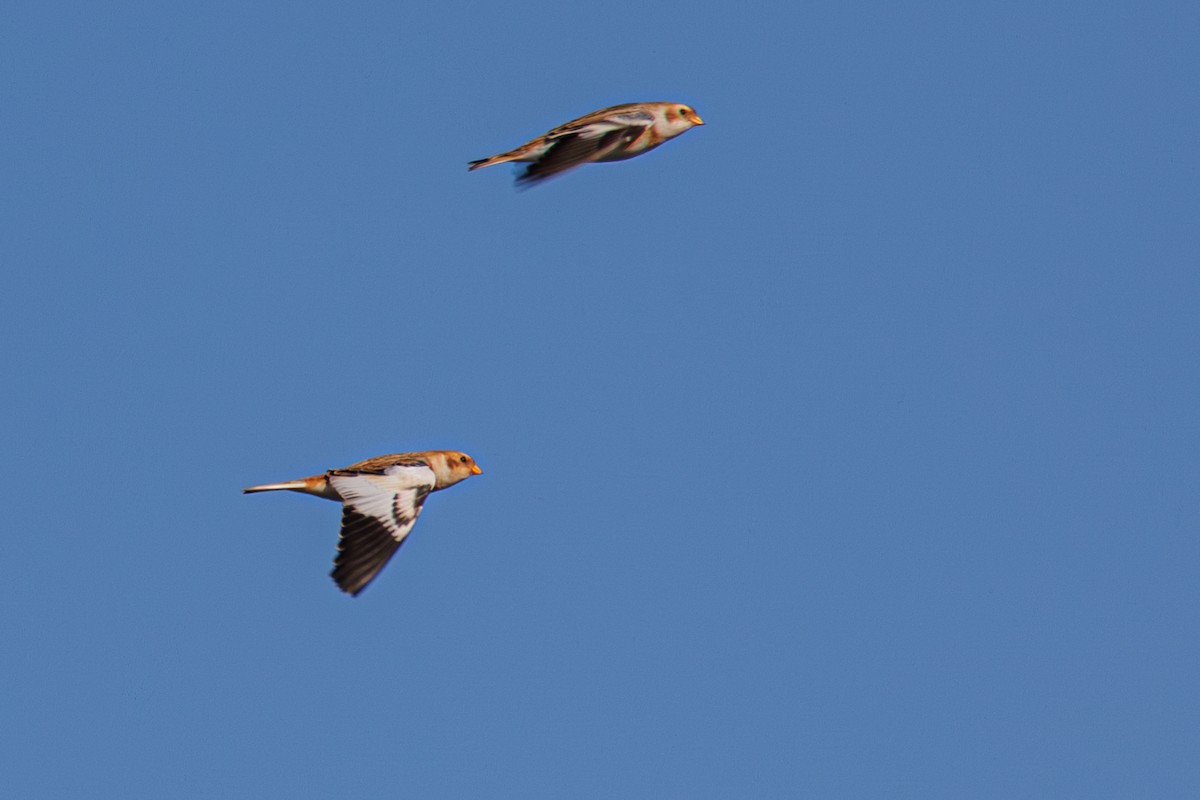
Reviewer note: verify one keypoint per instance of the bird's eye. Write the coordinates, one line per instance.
(683, 112)
(463, 459)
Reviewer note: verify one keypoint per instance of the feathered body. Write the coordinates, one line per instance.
(381, 499)
(610, 134)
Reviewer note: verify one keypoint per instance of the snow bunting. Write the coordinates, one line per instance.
(381, 499)
(610, 134)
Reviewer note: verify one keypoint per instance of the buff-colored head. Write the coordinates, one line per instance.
(680, 117)
(451, 466)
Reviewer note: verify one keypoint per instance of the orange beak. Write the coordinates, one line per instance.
(695, 119)
(475, 470)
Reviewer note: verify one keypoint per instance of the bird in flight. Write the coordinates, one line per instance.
(381, 499)
(610, 134)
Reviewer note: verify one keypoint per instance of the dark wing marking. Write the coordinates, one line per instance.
(366, 545)
(378, 512)
(628, 115)
(573, 149)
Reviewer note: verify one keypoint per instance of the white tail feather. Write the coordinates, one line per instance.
(295, 486)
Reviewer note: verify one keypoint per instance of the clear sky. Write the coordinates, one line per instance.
(847, 446)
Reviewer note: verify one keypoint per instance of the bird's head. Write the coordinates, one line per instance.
(451, 466)
(679, 115)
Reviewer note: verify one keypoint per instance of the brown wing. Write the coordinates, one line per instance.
(571, 150)
(380, 463)
(624, 114)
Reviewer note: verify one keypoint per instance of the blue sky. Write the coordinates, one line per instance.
(843, 447)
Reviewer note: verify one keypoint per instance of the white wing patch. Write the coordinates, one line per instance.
(636, 119)
(393, 498)
(378, 511)
(597, 128)
(594, 130)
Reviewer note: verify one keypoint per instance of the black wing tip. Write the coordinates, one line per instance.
(539, 172)
(363, 551)
(346, 586)
(350, 581)
(527, 179)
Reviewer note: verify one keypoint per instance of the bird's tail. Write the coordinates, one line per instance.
(483, 162)
(314, 484)
(511, 155)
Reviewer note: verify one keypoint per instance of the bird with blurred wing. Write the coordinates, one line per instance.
(381, 499)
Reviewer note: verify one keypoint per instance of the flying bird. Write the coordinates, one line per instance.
(610, 134)
(381, 499)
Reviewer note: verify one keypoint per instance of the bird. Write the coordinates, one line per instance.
(381, 499)
(610, 134)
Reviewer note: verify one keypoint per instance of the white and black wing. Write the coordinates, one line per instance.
(588, 139)
(378, 511)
